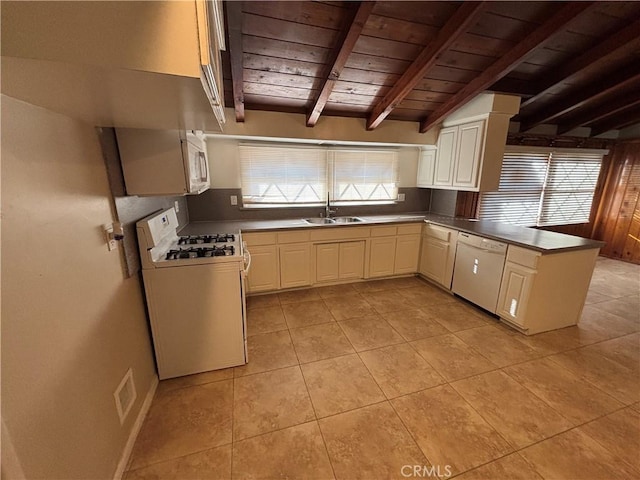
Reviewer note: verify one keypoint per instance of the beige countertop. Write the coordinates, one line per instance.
(539, 240)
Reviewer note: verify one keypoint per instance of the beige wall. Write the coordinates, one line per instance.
(224, 162)
(71, 324)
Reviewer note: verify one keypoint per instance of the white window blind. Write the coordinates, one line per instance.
(283, 175)
(541, 187)
(569, 189)
(364, 176)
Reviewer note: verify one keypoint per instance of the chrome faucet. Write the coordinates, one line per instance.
(327, 209)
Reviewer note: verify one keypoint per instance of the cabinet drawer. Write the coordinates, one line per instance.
(339, 233)
(383, 231)
(438, 233)
(522, 256)
(293, 237)
(262, 238)
(409, 229)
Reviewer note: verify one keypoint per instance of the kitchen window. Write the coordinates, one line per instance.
(543, 187)
(275, 176)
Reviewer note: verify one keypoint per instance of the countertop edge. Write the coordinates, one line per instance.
(455, 223)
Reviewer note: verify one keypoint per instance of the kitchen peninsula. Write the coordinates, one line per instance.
(544, 281)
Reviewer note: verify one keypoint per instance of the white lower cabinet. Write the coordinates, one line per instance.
(514, 293)
(438, 254)
(407, 254)
(382, 256)
(263, 275)
(295, 265)
(339, 261)
(544, 292)
(327, 262)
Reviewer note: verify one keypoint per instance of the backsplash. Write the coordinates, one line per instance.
(214, 205)
(443, 202)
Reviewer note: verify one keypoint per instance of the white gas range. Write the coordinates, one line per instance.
(195, 295)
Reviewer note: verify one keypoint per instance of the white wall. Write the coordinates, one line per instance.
(71, 323)
(224, 163)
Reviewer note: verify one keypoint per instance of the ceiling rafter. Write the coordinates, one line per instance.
(619, 121)
(233, 12)
(591, 94)
(346, 40)
(507, 62)
(599, 114)
(626, 40)
(458, 24)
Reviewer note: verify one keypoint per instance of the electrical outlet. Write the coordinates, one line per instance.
(234, 199)
(401, 197)
(176, 206)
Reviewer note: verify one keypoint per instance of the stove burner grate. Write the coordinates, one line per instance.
(199, 239)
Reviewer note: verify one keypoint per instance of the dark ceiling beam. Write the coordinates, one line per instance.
(618, 122)
(233, 12)
(605, 53)
(605, 111)
(465, 15)
(593, 93)
(507, 62)
(514, 86)
(347, 38)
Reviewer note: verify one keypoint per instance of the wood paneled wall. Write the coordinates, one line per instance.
(617, 219)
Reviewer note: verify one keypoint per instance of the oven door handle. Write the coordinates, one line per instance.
(247, 259)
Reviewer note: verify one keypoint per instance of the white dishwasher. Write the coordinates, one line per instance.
(477, 271)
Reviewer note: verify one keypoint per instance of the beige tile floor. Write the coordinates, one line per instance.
(369, 380)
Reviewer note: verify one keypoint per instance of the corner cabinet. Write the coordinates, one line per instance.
(468, 156)
(437, 254)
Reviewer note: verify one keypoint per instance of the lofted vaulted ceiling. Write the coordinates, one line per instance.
(574, 64)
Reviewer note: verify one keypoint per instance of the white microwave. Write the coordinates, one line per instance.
(163, 162)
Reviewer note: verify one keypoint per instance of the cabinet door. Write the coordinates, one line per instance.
(514, 293)
(468, 154)
(351, 260)
(382, 256)
(445, 157)
(407, 254)
(327, 262)
(433, 260)
(295, 263)
(263, 275)
(426, 166)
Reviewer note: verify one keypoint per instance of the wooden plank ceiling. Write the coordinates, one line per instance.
(574, 64)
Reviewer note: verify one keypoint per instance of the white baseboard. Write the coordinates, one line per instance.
(135, 430)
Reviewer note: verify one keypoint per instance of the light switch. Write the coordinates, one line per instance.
(401, 197)
(234, 199)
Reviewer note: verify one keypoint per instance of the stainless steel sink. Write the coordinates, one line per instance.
(318, 220)
(348, 219)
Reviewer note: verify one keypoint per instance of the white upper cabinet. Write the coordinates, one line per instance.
(469, 156)
(470, 146)
(122, 64)
(426, 166)
(446, 156)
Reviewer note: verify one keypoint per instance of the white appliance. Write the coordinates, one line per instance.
(477, 271)
(195, 295)
(163, 162)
